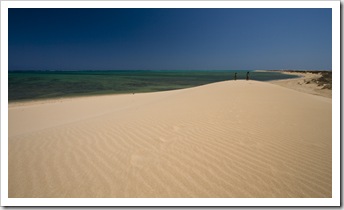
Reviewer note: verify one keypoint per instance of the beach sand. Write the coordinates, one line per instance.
(232, 139)
(304, 84)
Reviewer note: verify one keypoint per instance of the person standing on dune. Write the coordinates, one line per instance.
(247, 75)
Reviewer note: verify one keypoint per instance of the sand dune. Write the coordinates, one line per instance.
(228, 139)
(304, 84)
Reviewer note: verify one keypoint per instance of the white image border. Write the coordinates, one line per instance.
(334, 201)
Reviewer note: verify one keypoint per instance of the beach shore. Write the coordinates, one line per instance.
(232, 139)
(309, 82)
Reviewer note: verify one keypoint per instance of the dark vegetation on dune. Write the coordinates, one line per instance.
(325, 79)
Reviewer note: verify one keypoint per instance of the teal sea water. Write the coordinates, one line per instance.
(28, 85)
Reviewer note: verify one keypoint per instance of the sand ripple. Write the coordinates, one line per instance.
(228, 139)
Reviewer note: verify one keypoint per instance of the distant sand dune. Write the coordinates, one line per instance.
(227, 139)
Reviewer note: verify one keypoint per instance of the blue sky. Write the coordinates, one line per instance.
(110, 39)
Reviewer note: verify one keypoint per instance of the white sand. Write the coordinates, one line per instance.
(304, 84)
(227, 139)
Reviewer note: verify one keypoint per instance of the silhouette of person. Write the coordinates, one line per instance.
(247, 75)
(235, 76)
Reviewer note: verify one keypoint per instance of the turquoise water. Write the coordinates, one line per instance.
(27, 85)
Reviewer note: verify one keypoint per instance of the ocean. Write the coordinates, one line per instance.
(28, 85)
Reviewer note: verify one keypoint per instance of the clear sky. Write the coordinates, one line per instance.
(111, 39)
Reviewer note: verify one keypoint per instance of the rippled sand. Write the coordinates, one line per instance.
(229, 139)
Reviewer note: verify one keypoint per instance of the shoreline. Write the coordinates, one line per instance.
(60, 84)
(298, 84)
(308, 82)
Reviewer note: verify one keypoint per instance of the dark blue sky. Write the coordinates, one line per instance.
(110, 39)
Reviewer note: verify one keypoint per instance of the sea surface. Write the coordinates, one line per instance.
(28, 85)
